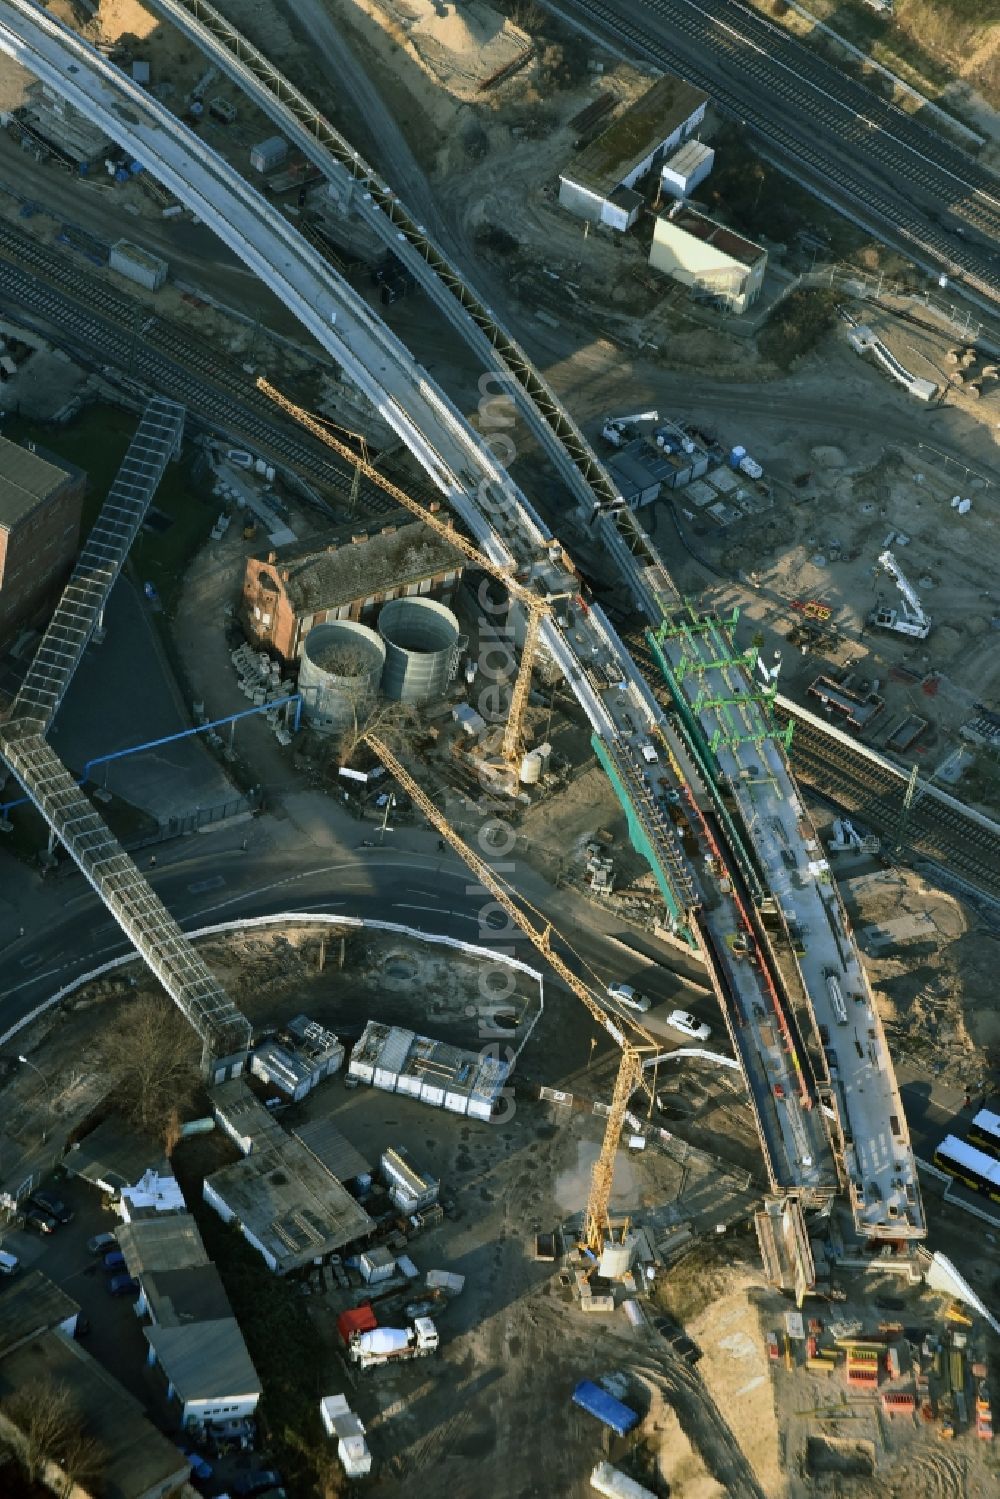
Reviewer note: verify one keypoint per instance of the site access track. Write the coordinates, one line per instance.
(704, 896)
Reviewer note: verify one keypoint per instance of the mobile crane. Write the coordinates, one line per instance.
(635, 1043)
(536, 606)
(911, 619)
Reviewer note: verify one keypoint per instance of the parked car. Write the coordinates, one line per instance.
(248, 1484)
(114, 1261)
(101, 1243)
(688, 1025)
(123, 1285)
(9, 1263)
(629, 997)
(39, 1222)
(48, 1203)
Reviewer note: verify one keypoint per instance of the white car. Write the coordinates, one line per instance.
(629, 997)
(680, 1020)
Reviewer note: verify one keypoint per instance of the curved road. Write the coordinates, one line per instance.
(203, 881)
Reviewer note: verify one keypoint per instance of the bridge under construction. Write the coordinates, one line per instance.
(713, 807)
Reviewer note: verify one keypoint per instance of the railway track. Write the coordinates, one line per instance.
(881, 158)
(162, 354)
(933, 830)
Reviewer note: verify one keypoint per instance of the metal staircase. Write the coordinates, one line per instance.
(80, 610)
(142, 916)
(128, 897)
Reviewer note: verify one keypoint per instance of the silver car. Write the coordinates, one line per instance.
(629, 997)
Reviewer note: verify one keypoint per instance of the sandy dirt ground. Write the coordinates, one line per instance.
(932, 967)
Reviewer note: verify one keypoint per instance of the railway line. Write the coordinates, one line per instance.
(932, 829)
(163, 355)
(840, 132)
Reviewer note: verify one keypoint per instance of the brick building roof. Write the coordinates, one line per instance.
(336, 569)
(25, 481)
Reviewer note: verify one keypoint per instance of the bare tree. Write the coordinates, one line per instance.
(152, 1057)
(366, 711)
(392, 722)
(52, 1430)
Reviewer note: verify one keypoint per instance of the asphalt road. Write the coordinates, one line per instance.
(211, 878)
(891, 170)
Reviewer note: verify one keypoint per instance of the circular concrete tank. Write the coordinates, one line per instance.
(420, 638)
(339, 674)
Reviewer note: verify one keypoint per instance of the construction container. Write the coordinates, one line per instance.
(376, 1265)
(138, 265)
(608, 1481)
(686, 168)
(341, 668)
(604, 1304)
(422, 645)
(634, 1312)
(605, 1407)
(356, 1319)
(267, 155)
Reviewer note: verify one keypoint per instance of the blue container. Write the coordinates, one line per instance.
(609, 1411)
(135, 167)
(121, 175)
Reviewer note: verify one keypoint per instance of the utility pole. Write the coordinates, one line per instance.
(385, 828)
(908, 796)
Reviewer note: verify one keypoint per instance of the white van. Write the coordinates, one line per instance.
(9, 1263)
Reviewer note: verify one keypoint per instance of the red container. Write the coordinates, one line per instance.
(356, 1319)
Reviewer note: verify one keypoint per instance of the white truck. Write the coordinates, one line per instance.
(392, 1345)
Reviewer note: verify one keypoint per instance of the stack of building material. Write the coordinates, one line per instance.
(898, 1403)
(862, 1366)
(260, 680)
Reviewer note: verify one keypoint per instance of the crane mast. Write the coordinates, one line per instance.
(536, 607)
(633, 1047)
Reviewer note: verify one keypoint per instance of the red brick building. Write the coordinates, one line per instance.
(348, 574)
(40, 507)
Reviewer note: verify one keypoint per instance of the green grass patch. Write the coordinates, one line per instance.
(797, 326)
(759, 201)
(97, 441)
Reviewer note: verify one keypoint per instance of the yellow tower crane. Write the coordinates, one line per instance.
(633, 1046)
(536, 607)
